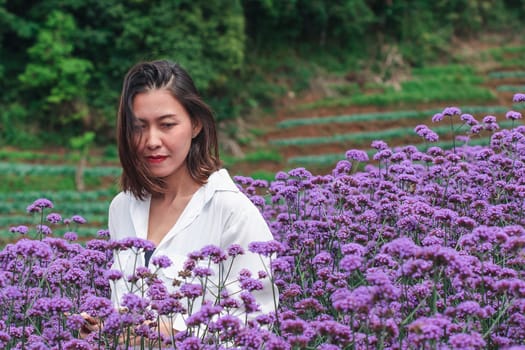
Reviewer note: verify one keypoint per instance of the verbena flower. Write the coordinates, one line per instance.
(22, 229)
(356, 155)
(424, 251)
(78, 219)
(161, 261)
(39, 204)
(54, 218)
(513, 115)
(519, 97)
(451, 111)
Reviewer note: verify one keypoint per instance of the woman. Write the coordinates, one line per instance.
(174, 192)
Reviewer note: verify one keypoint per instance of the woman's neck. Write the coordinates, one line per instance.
(181, 185)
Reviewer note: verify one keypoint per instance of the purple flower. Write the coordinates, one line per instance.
(204, 315)
(342, 167)
(383, 154)
(352, 248)
(54, 218)
(39, 204)
(474, 340)
(489, 119)
(437, 118)
(358, 300)
(281, 176)
(469, 119)
(190, 343)
(78, 219)
(518, 98)
(191, 290)
(266, 248)
(133, 302)
(451, 111)
(249, 302)
(402, 247)
(513, 115)
(158, 291)
(44, 229)
(4, 338)
(103, 233)
(235, 250)
(54, 306)
(426, 133)
(98, 306)
(356, 155)
(201, 271)
(249, 284)
(215, 253)
(322, 259)
(70, 236)
(379, 145)
(161, 261)
(133, 242)
(476, 129)
(77, 344)
(22, 229)
(301, 173)
(75, 276)
(113, 275)
(350, 262)
(280, 265)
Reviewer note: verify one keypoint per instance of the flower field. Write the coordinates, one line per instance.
(398, 248)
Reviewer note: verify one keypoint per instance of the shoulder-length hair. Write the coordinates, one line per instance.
(203, 157)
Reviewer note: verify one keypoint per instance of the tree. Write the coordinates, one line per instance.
(55, 74)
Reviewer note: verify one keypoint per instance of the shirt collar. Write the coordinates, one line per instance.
(217, 182)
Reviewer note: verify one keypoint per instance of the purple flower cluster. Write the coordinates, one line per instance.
(420, 250)
(425, 250)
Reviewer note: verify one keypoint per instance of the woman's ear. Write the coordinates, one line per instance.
(197, 127)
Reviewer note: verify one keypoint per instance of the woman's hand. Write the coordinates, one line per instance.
(90, 325)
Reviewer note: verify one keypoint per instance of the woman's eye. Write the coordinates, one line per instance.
(167, 125)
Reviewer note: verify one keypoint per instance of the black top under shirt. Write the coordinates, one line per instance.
(147, 256)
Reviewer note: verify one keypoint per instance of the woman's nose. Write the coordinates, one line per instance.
(152, 139)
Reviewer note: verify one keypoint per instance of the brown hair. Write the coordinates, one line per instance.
(203, 157)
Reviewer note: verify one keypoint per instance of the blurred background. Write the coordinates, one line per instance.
(294, 83)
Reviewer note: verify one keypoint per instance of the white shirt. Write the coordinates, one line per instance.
(217, 214)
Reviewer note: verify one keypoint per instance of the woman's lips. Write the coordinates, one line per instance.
(156, 159)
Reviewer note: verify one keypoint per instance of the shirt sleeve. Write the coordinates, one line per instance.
(246, 225)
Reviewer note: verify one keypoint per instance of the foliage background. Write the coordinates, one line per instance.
(62, 63)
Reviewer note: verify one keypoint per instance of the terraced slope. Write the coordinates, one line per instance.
(316, 132)
(56, 183)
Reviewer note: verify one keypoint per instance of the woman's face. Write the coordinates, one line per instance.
(164, 131)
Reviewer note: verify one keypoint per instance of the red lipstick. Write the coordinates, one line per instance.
(156, 159)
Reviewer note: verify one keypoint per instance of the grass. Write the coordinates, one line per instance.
(263, 175)
(51, 182)
(438, 84)
(511, 88)
(262, 155)
(386, 116)
(16, 155)
(415, 93)
(58, 196)
(507, 54)
(514, 74)
(69, 208)
(385, 135)
(23, 169)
